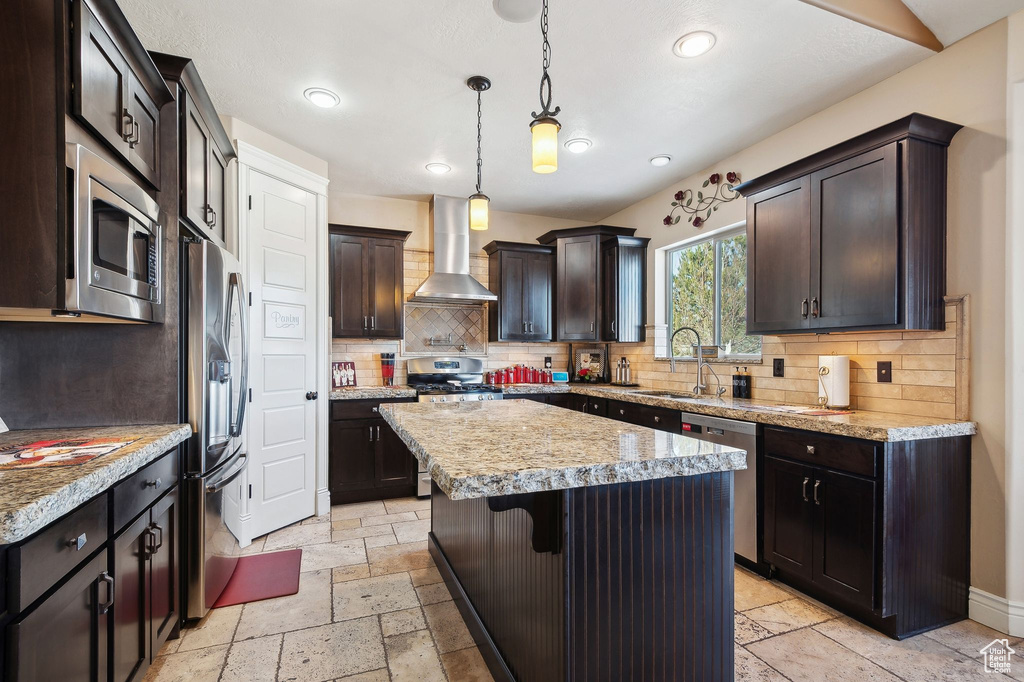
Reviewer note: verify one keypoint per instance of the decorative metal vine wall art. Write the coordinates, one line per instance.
(699, 207)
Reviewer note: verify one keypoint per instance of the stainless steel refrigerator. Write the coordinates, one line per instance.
(216, 322)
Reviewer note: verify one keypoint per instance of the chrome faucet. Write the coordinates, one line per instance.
(701, 363)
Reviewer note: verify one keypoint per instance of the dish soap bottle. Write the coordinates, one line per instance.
(737, 383)
(745, 384)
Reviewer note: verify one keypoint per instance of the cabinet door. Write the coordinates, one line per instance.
(353, 456)
(844, 535)
(609, 293)
(217, 193)
(539, 278)
(855, 242)
(349, 286)
(788, 515)
(195, 168)
(779, 258)
(65, 637)
(386, 288)
(101, 83)
(514, 306)
(163, 570)
(144, 136)
(577, 308)
(395, 463)
(131, 609)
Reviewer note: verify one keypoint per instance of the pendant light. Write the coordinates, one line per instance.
(545, 126)
(478, 203)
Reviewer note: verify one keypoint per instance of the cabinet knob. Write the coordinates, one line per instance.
(810, 449)
(621, 411)
(154, 484)
(657, 420)
(77, 543)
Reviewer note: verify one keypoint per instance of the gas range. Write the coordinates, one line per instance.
(450, 380)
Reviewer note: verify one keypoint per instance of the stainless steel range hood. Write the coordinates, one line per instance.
(450, 282)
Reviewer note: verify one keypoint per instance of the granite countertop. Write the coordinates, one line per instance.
(31, 499)
(533, 389)
(877, 426)
(485, 449)
(371, 392)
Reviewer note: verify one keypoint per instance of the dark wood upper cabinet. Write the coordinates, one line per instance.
(522, 276)
(624, 289)
(579, 294)
(116, 89)
(206, 151)
(853, 237)
(367, 282)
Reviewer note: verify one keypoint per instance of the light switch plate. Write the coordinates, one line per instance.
(885, 372)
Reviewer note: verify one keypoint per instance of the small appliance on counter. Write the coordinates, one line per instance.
(834, 381)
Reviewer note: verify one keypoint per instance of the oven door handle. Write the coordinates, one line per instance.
(235, 283)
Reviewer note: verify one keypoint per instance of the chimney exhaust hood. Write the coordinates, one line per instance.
(450, 282)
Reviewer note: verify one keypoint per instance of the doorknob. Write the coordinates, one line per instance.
(311, 395)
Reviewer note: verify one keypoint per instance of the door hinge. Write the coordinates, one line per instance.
(250, 202)
(250, 395)
(250, 491)
(250, 299)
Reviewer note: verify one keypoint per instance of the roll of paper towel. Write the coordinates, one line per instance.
(834, 380)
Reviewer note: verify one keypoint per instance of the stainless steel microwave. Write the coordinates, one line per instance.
(115, 242)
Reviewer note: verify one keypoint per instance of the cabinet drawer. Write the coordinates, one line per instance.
(843, 454)
(661, 418)
(362, 409)
(142, 489)
(54, 552)
(625, 412)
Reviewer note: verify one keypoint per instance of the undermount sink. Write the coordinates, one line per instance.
(667, 394)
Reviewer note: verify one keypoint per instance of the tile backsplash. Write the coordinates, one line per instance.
(930, 369)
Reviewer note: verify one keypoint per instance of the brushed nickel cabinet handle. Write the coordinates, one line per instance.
(106, 606)
(803, 309)
(591, 326)
(126, 125)
(806, 481)
(815, 309)
(817, 500)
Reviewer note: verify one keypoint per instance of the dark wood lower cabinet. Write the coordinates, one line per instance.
(367, 460)
(789, 515)
(844, 536)
(131, 643)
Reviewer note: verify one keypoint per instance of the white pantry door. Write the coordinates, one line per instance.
(282, 431)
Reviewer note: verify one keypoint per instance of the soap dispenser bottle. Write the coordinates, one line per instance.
(737, 383)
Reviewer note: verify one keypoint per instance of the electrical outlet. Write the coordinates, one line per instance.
(779, 367)
(547, 362)
(885, 372)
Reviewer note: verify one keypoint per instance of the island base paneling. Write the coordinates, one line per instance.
(640, 587)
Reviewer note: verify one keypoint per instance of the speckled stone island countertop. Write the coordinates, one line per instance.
(31, 499)
(373, 392)
(484, 449)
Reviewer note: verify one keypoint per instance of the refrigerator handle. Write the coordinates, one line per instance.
(235, 282)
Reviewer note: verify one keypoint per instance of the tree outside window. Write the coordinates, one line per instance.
(708, 291)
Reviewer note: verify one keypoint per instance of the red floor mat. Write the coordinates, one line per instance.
(262, 576)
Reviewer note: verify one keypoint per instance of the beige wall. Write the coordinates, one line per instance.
(240, 130)
(414, 216)
(966, 83)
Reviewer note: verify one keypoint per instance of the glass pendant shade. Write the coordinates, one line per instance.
(478, 212)
(545, 145)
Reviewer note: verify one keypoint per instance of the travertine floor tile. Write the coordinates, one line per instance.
(331, 554)
(372, 676)
(753, 591)
(331, 651)
(169, 647)
(412, 531)
(346, 573)
(310, 606)
(357, 511)
(748, 631)
(444, 621)
(916, 658)
(406, 504)
(298, 536)
(425, 576)
(399, 558)
(216, 628)
(423, 514)
(380, 540)
(388, 518)
(361, 532)
(968, 637)
(750, 668)
(253, 660)
(255, 547)
(201, 665)
(369, 596)
(787, 615)
(346, 524)
(323, 518)
(400, 622)
(413, 658)
(466, 665)
(433, 594)
(809, 656)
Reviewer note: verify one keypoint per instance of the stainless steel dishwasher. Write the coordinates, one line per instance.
(742, 435)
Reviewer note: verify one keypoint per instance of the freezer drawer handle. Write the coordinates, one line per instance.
(214, 487)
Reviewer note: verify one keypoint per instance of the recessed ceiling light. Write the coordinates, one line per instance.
(438, 168)
(322, 98)
(660, 160)
(694, 44)
(516, 11)
(578, 145)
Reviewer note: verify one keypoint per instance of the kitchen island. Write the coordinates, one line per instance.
(578, 548)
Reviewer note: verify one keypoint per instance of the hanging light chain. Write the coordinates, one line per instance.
(479, 142)
(545, 79)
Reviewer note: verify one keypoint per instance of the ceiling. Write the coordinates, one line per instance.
(400, 66)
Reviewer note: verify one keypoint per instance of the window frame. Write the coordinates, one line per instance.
(716, 238)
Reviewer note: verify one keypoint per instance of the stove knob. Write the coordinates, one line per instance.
(490, 397)
(460, 398)
(433, 400)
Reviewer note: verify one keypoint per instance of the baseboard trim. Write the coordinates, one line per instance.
(323, 501)
(997, 613)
